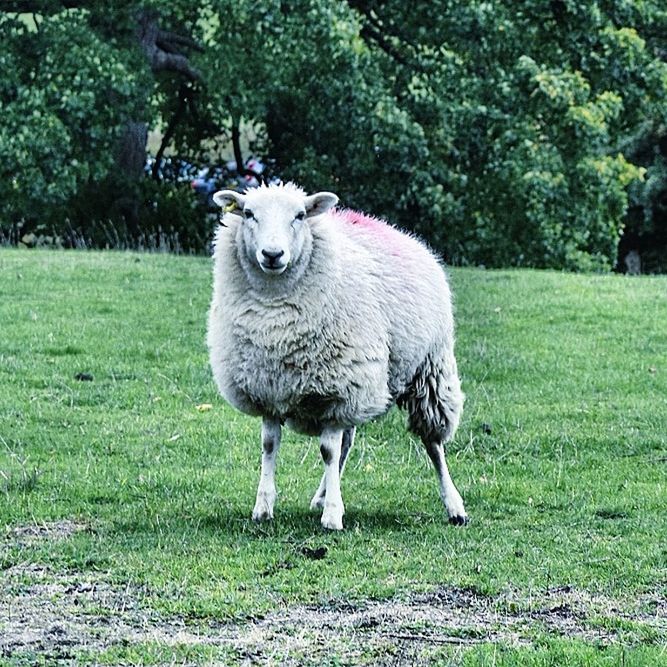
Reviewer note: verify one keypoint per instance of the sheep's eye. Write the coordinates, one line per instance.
(300, 216)
(248, 214)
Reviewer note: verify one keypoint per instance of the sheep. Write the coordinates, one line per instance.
(322, 319)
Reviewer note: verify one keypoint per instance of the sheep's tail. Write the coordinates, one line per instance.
(434, 399)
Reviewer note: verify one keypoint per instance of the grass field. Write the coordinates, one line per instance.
(125, 531)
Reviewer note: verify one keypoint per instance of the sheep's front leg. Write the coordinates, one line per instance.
(266, 491)
(330, 447)
(451, 498)
(348, 440)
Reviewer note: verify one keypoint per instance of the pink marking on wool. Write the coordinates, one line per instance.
(391, 239)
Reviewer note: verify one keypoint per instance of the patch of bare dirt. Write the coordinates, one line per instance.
(60, 616)
(25, 536)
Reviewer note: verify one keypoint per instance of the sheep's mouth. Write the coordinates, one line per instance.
(272, 269)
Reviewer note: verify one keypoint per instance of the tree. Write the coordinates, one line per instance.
(78, 86)
(54, 134)
(504, 134)
(495, 131)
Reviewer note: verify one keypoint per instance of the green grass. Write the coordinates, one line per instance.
(569, 487)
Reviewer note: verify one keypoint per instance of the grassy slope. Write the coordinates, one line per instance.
(569, 487)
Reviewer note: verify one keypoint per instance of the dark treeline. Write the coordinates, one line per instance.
(507, 134)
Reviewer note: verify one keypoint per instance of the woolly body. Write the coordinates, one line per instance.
(371, 310)
(324, 319)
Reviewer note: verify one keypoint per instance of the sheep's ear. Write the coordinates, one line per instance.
(320, 203)
(230, 201)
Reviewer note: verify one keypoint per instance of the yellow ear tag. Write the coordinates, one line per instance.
(227, 209)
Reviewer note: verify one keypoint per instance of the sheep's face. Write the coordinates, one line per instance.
(274, 223)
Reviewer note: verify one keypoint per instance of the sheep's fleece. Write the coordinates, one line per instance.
(360, 319)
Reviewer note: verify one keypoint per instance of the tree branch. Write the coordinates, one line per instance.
(376, 36)
(169, 41)
(183, 95)
(375, 30)
(159, 59)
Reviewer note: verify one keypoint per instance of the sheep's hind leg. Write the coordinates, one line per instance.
(266, 491)
(348, 440)
(451, 498)
(330, 447)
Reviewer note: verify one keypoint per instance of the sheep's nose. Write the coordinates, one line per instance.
(273, 255)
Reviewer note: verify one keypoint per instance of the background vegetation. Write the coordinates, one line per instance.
(530, 135)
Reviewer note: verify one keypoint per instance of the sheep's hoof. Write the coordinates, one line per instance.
(459, 520)
(332, 524)
(263, 510)
(455, 509)
(262, 515)
(332, 517)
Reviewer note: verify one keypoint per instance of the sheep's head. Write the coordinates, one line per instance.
(274, 222)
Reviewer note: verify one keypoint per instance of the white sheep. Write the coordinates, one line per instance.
(323, 319)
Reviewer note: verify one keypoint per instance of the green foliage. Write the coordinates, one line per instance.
(64, 92)
(172, 219)
(506, 135)
(496, 133)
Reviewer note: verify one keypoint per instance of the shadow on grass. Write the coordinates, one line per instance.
(292, 524)
(297, 519)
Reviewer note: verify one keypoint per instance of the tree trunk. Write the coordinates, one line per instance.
(161, 49)
(132, 150)
(130, 160)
